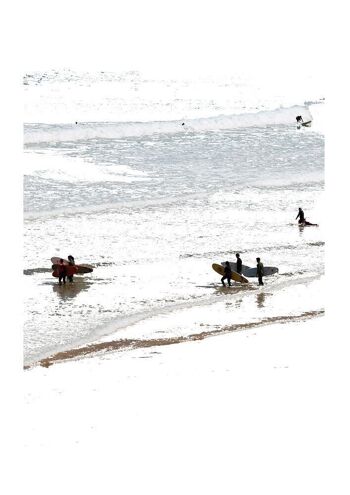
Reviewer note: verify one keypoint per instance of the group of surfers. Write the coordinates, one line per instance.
(228, 271)
(64, 271)
(259, 267)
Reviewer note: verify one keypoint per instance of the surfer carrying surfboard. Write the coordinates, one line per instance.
(259, 271)
(239, 264)
(227, 274)
(62, 272)
(71, 263)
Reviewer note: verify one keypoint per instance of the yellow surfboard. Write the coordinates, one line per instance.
(235, 276)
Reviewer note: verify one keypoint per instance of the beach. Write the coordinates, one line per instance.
(147, 375)
(242, 412)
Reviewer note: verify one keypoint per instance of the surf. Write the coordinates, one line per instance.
(49, 133)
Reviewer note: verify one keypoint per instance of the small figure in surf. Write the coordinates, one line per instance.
(302, 220)
(301, 216)
(227, 274)
(72, 263)
(299, 119)
(260, 271)
(62, 272)
(239, 264)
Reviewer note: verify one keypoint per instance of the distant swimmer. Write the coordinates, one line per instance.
(227, 274)
(260, 271)
(301, 216)
(183, 123)
(76, 122)
(239, 264)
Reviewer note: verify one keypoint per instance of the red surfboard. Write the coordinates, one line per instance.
(80, 268)
(70, 270)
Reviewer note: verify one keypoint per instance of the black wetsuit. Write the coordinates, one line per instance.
(239, 265)
(301, 216)
(72, 263)
(227, 274)
(62, 273)
(260, 272)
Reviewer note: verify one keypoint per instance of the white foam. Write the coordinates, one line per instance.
(75, 169)
(86, 131)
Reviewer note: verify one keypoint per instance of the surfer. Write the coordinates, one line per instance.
(239, 264)
(259, 271)
(301, 216)
(302, 220)
(299, 119)
(227, 274)
(62, 272)
(71, 263)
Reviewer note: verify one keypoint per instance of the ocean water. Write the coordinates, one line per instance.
(151, 181)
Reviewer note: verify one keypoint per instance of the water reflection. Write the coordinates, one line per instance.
(71, 289)
(260, 299)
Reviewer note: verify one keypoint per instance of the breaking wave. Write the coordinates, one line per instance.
(37, 133)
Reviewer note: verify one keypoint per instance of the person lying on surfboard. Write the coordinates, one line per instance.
(227, 274)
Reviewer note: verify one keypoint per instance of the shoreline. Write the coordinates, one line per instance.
(96, 348)
(213, 415)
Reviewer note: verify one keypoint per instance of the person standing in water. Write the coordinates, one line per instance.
(259, 271)
(239, 264)
(62, 272)
(71, 263)
(301, 216)
(227, 274)
(302, 219)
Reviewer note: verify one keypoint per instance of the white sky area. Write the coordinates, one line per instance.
(175, 37)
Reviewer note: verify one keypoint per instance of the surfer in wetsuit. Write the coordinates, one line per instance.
(239, 264)
(259, 271)
(302, 219)
(72, 263)
(301, 216)
(299, 119)
(227, 274)
(62, 272)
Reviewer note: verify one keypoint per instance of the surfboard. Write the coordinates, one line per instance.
(268, 270)
(235, 276)
(84, 268)
(247, 271)
(233, 266)
(306, 124)
(70, 270)
(308, 224)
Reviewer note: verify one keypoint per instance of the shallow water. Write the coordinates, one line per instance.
(152, 212)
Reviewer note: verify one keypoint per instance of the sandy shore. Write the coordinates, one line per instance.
(242, 412)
